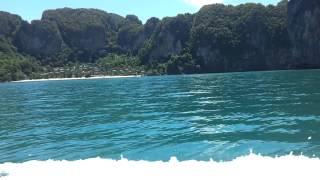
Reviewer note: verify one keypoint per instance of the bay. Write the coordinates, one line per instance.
(191, 117)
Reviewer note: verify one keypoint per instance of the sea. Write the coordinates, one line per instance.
(215, 125)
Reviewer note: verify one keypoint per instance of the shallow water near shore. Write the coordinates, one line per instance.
(193, 117)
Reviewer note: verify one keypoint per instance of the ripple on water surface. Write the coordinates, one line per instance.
(218, 116)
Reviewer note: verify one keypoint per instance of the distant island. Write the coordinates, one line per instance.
(71, 43)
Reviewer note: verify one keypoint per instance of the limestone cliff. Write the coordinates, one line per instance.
(241, 38)
(169, 37)
(9, 24)
(84, 29)
(218, 38)
(304, 29)
(40, 38)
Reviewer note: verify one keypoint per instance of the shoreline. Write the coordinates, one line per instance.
(80, 78)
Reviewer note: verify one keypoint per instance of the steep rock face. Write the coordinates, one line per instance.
(219, 38)
(84, 29)
(304, 29)
(9, 24)
(212, 35)
(40, 38)
(169, 38)
(238, 38)
(151, 26)
(131, 36)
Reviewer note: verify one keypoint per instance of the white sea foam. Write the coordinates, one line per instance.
(248, 167)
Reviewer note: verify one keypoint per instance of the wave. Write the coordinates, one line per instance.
(247, 167)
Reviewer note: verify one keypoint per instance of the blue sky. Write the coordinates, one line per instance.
(144, 9)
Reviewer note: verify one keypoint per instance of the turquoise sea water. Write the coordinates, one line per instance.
(198, 117)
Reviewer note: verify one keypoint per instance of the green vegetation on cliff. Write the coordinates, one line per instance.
(241, 38)
(219, 38)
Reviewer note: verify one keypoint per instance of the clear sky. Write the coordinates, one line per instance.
(144, 9)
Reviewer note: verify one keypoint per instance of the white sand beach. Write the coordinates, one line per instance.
(81, 78)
